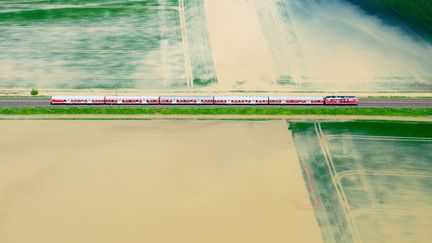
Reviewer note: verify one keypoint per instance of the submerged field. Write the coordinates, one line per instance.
(369, 181)
(215, 180)
(152, 181)
(330, 45)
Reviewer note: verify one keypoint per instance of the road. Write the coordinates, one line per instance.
(364, 103)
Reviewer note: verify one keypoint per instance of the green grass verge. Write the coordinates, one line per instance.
(219, 111)
(24, 96)
(398, 97)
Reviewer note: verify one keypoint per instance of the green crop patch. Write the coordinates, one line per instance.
(368, 181)
(91, 44)
(416, 12)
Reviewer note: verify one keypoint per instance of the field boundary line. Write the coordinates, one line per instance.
(339, 191)
(93, 7)
(185, 44)
(36, 1)
(407, 212)
(16, 27)
(102, 76)
(75, 51)
(382, 138)
(114, 4)
(341, 175)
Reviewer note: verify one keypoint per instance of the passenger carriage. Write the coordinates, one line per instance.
(78, 100)
(296, 100)
(341, 100)
(205, 100)
(132, 100)
(241, 100)
(186, 100)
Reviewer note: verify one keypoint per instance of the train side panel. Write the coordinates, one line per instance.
(186, 100)
(341, 100)
(241, 100)
(78, 100)
(296, 100)
(132, 100)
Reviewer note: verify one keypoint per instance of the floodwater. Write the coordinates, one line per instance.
(152, 181)
(313, 45)
(219, 45)
(371, 181)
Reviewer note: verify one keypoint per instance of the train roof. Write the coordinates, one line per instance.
(341, 97)
(78, 97)
(241, 97)
(186, 97)
(297, 97)
(131, 97)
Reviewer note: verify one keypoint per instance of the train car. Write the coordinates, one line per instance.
(341, 100)
(241, 100)
(296, 100)
(186, 100)
(77, 100)
(132, 100)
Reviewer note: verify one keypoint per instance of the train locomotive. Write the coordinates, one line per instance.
(205, 100)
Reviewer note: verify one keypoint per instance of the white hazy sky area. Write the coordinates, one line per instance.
(317, 42)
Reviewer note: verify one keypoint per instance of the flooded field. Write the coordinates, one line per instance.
(314, 45)
(267, 45)
(92, 44)
(369, 181)
(152, 181)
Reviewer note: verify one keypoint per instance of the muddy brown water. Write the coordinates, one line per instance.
(152, 181)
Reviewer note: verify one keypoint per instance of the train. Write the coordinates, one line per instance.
(205, 100)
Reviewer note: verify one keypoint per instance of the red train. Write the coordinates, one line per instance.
(204, 100)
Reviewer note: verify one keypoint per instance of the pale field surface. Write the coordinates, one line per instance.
(239, 47)
(313, 45)
(209, 45)
(152, 181)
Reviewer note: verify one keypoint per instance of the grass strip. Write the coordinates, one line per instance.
(413, 112)
(398, 97)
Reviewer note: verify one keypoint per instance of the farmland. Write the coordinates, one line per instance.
(96, 44)
(345, 181)
(417, 13)
(197, 173)
(178, 45)
(114, 181)
(369, 181)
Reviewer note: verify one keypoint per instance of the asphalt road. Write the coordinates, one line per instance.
(364, 102)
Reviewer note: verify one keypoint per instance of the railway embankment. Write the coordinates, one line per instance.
(255, 111)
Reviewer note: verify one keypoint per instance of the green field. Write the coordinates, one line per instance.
(91, 44)
(416, 12)
(368, 181)
(104, 44)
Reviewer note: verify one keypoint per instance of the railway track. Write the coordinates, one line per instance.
(364, 103)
